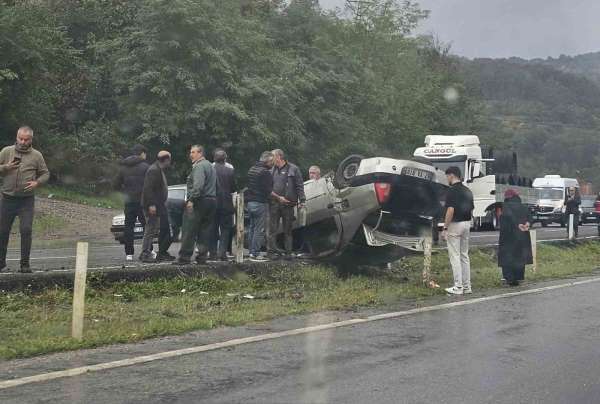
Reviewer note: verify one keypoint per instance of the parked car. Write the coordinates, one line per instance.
(590, 210)
(175, 206)
(372, 210)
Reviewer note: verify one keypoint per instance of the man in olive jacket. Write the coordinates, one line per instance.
(154, 203)
(200, 208)
(22, 169)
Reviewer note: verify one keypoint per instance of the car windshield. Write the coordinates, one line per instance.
(443, 165)
(551, 193)
(177, 194)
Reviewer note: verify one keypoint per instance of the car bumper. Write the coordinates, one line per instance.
(590, 217)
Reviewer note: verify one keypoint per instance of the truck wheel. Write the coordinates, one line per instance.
(346, 170)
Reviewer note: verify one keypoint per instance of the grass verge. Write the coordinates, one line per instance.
(39, 323)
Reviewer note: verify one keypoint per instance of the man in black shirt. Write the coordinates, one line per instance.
(457, 228)
(573, 201)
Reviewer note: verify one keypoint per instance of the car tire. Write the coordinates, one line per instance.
(544, 223)
(346, 170)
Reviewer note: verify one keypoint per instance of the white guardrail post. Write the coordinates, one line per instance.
(81, 264)
(239, 228)
(571, 227)
(533, 236)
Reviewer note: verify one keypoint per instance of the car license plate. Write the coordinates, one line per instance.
(417, 172)
(138, 229)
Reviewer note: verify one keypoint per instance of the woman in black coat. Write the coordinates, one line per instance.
(514, 250)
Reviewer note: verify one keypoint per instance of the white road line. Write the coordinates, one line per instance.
(43, 258)
(270, 336)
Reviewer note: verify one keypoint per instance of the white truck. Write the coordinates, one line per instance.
(488, 195)
(552, 194)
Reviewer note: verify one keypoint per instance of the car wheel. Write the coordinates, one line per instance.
(544, 224)
(346, 170)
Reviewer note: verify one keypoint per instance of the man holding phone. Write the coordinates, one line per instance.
(22, 169)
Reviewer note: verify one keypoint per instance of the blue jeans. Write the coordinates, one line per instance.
(256, 236)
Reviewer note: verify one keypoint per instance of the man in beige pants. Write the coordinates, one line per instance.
(457, 229)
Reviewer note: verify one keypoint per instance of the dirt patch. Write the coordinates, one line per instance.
(57, 220)
(80, 221)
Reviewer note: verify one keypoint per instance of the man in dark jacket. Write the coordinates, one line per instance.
(154, 203)
(572, 208)
(223, 222)
(200, 207)
(288, 191)
(130, 181)
(260, 187)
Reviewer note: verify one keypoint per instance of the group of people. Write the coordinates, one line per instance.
(275, 189)
(514, 246)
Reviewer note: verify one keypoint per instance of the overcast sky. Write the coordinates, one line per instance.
(504, 28)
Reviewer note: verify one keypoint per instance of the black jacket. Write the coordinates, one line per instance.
(130, 179)
(156, 190)
(573, 205)
(225, 187)
(260, 183)
(288, 182)
(514, 248)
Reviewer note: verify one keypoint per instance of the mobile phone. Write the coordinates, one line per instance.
(17, 160)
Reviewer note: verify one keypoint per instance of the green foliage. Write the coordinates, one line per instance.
(551, 117)
(247, 76)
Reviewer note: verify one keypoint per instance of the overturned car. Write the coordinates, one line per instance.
(372, 210)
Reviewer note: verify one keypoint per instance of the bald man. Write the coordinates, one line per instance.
(154, 203)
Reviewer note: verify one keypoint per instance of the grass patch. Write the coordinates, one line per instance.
(82, 196)
(126, 312)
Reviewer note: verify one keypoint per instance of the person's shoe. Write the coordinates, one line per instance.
(165, 257)
(25, 269)
(258, 258)
(454, 290)
(513, 283)
(467, 291)
(180, 261)
(129, 257)
(148, 258)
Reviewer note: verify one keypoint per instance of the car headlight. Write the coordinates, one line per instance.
(118, 221)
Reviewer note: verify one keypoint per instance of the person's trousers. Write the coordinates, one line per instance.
(284, 214)
(257, 211)
(10, 208)
(222, 226)
(133, 212)
(157, 226)
(197, 226)
(458, 251)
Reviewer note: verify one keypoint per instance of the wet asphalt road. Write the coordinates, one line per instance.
(537, 348)
(114, 256)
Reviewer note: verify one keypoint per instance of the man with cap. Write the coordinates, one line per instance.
(154, 203)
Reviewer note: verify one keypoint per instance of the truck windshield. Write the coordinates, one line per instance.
(443, 165)
(551, 193)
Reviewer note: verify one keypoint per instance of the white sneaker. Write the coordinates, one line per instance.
(129, 258)
(467, 290)
(454, 290)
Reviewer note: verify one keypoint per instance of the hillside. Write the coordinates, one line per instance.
(549, 114)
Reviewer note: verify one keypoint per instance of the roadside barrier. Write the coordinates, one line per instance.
(571, 227)
(81, 264)
(533, 237)
(239, 227)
